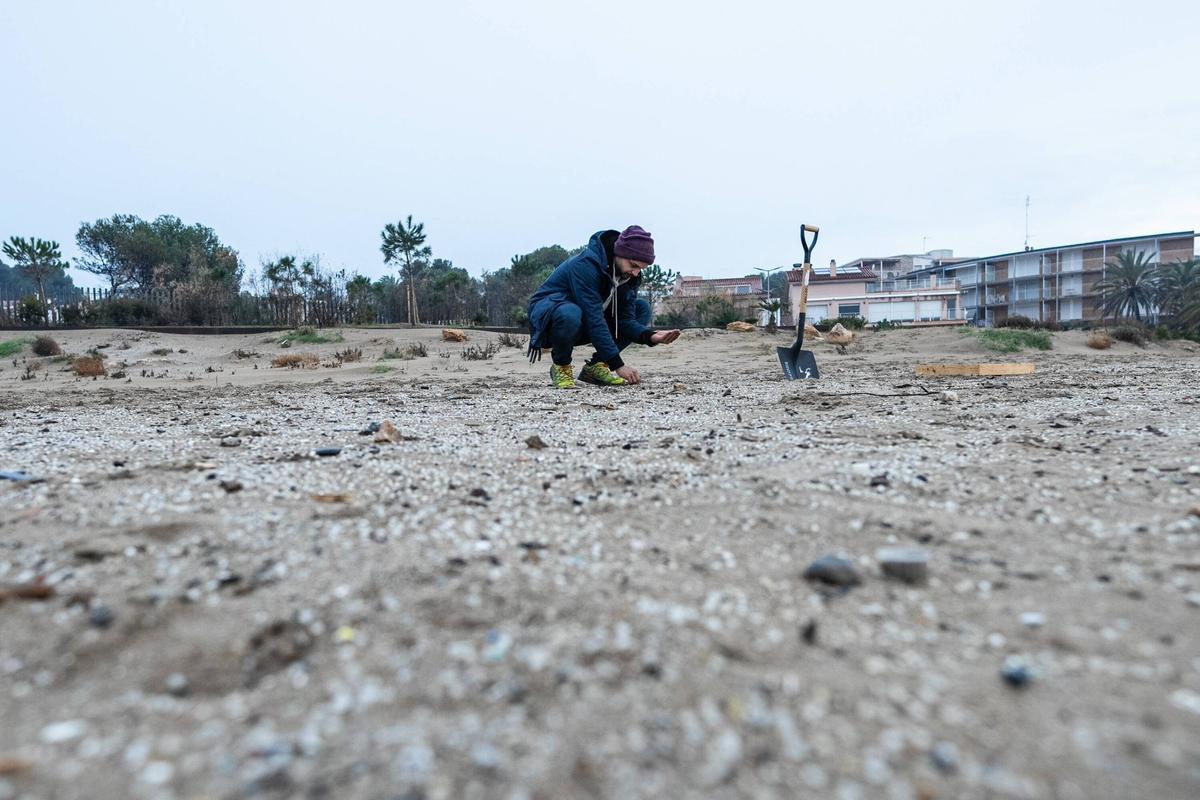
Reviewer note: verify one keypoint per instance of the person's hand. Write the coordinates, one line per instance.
(629, 374)
(664, 337)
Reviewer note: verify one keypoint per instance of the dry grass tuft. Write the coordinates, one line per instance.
(296, 361)
(89, 367)
(1099, 340)
(45, 346)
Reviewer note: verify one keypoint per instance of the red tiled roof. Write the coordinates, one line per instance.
(823, 276)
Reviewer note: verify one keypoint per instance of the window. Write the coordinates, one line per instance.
(851, 310)
(742, 290)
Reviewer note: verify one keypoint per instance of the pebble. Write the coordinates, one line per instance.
(948, 396)
(327, 451)
(944, 756)
(1033, 619)
(535, 443)
(1193, 599)
(722, 757)
(231, 441)
(832, 570)
(65, 731)
(157, 773)
(177, 684)
(1016, 673)
(101, 617)
(908, 564)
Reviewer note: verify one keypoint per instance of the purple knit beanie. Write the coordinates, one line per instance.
(636, 244)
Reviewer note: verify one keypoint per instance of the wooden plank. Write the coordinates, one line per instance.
(943, 370)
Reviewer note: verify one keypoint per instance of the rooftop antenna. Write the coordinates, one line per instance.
(1026, 222)
(924, 239)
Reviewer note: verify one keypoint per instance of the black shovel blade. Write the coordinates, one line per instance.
(797, 364)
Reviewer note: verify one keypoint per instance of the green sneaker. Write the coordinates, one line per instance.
(601, 375)
(561, 377)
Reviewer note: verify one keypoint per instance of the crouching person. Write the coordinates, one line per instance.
(592, 298)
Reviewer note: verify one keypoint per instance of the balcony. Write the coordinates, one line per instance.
(911, 285)
(997, 299)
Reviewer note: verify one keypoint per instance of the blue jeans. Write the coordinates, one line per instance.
(567, 330)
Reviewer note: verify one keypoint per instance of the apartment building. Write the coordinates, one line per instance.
(1050, 284)
(853, 291)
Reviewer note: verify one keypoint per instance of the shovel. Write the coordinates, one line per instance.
(798, 363)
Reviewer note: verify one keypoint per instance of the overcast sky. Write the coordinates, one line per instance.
(503, 126)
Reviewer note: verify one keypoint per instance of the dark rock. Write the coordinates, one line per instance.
(1016, 673)
(908, 564)
(880, 480)
(944, 756)
(832, 570)
(535, 443)
(808, 633)
(101, 617)
(232, 486)
(327, 451)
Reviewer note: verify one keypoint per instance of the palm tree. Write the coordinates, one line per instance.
(772, 307)
(1129, 285)
(405, 243)
(1175, 282)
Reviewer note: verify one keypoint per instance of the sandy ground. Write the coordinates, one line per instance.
(620, 614)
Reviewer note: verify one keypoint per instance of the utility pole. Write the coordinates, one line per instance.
(1026, 222)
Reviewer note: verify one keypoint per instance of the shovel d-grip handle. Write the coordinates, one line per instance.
(808, 248)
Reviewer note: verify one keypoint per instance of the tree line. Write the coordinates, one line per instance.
(140, 259)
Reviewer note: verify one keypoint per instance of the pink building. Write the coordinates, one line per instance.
(855, 291)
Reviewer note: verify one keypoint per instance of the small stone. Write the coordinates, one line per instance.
(231, 441)
(908, 564)
(1195, 511)
(944, 756)
(535, 443)
(177, 684)
(231, 486)
(101, 617)
(722, 757)
(372, 427)
(808, 633)
(65, 731)
(496, 645)
(832, 570)
(1016, 673)
(1033, 619)
(325, 452)
(157, 773)
(387, 433)
(880, 480)
(345, 635)
(1193, 599)
(948, 396)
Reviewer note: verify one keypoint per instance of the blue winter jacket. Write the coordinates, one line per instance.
(586, 279)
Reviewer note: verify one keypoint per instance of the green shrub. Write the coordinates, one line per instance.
(1022, 322)
(309, 335)
(1133, 334)
(31, 311)
(716, 311)
(123, 311)
(672, 319)
(12, 347)
(849, 323)
(72, 315)
(1010, 340)
(886, 325)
